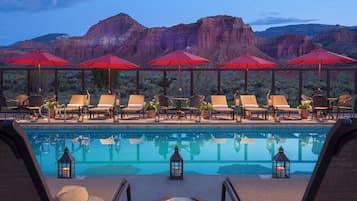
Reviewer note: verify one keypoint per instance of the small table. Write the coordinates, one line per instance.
(178, 101)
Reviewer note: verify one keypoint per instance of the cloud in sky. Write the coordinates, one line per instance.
(34, 5)
(273, 19)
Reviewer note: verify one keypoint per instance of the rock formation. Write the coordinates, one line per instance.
(218, 38)
(287, 46)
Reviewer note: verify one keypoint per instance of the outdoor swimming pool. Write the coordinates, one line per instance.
(119, 151)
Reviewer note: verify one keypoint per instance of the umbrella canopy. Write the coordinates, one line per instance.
(321, 56)
(179, 57)
(246, 62)
(38, 58)
(109, 62)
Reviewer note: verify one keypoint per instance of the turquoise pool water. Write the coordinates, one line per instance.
(205, 151)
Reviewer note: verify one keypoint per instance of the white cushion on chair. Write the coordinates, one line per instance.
(251, 105)
(105, 105)
(72, 193)
(282, 106)
(135, 105)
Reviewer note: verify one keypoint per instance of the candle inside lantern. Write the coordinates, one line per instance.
(176, 171)
(280, 171)
(65, 172)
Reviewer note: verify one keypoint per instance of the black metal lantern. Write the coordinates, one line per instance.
(176, 165)
(281, 165)
(66, 165)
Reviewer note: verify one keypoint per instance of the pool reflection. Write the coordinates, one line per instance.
(204, 151)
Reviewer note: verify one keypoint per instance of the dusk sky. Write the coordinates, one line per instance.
(26, 19)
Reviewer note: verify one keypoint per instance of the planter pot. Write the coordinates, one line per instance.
(304, 113)
(150, 114)
(206, 114)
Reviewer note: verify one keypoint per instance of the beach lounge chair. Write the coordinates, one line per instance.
(333, 179)
(75, 105)
(344, 104)
(21, 177)
(135, 105)
(106, 106)
(9, 109)
(250, 106)
(21, 101)
(281, 106)
(220, 105)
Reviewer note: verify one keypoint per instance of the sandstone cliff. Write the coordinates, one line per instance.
(287, 46)
(340, 39)
(218, 38)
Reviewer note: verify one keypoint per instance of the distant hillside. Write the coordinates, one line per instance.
(310, 30)
(340, 39)
(50, 37)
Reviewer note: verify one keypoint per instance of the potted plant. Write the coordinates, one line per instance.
(52, 106)
(150, 109)
(206, 109)
(305, 109)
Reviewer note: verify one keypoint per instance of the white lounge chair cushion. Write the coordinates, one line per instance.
(94, 198)
(282, 106)
(219, 106)
(72, 193)
(74, 105)
(251, 105)
(105, 105)
(135, 105)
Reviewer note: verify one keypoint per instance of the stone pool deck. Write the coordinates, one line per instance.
(204, 187)
(216, 122)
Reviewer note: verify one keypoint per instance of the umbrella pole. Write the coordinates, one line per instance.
(109, 81)
(39, 78)
(179, 79)
(318, 81)
(246, 81)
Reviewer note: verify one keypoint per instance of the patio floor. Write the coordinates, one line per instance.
(221, 121)
(204, 187)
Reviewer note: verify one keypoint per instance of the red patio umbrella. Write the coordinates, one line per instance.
(38, 58)
(321, 56)
(109, 62)
(246, 62)
(179, 57)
